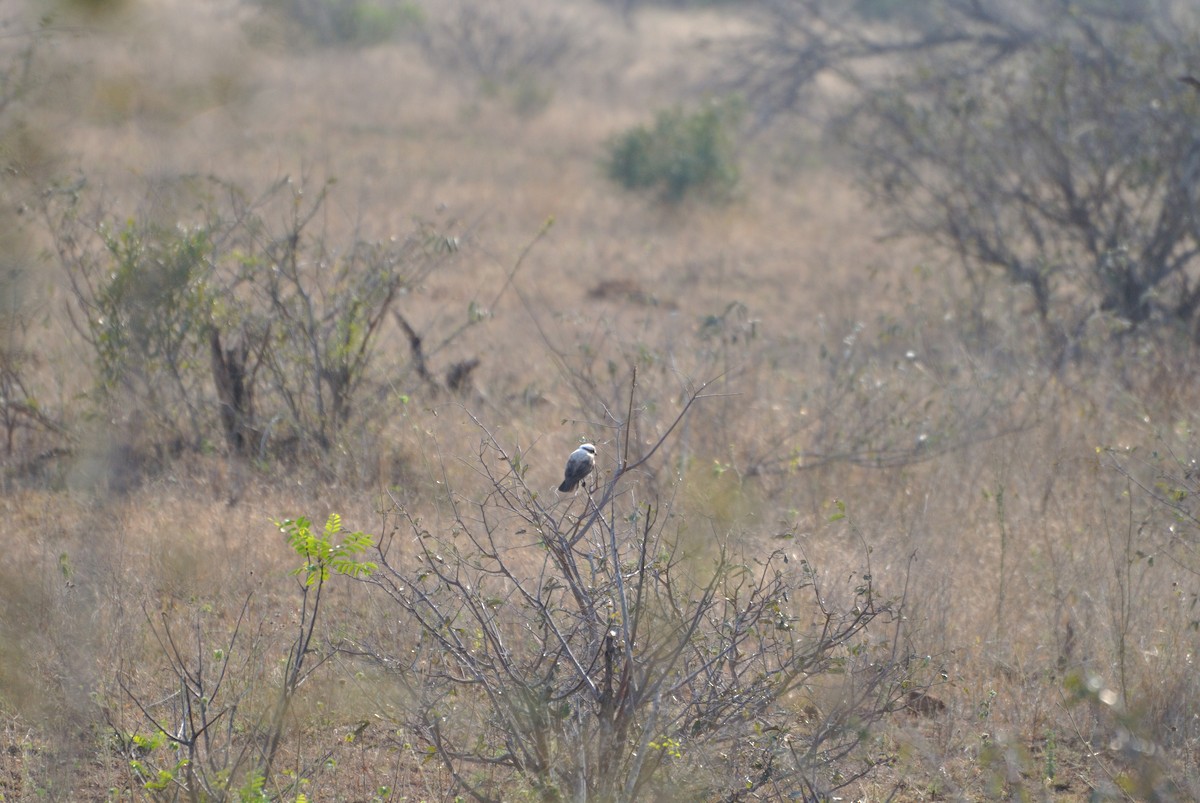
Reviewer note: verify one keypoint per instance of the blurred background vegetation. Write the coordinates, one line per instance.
(894, 307)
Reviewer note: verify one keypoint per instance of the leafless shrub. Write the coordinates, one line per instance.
(616, 652)
(498, 43)
(1072, 174)
(1046, 143)
(208, 723)
(211, 723)
(862, 43)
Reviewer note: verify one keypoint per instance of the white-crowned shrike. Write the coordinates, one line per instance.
(579, 465)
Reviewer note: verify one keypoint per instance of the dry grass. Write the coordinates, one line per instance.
(840, 350)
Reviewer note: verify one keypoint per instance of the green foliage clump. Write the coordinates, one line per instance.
(682, 154)
(881, 9)
(143, 302)
(349, 22)
(367, 23)
(153, 299)
(324, 551)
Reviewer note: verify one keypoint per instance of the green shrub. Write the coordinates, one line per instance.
(150, 300)
(683, 153)
(240, 329)
(368, 23)
(349, 22)
(882, 9)
(142, 301)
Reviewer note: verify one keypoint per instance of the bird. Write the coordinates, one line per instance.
(579, 465)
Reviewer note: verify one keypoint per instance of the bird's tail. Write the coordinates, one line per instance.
(567, 486)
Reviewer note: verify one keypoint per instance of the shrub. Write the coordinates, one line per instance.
(499, 43)
(682, 154)
(27, 156)
(236, 328)
(212, 722)
(349, 22)
(1051, 149)
(142, 302)
(601, 648)
(511, 53)
(1070, 174)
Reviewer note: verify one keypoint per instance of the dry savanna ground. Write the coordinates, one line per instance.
(858, 415)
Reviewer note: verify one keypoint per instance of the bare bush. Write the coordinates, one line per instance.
(499, 43)
(1046, 142)
(212, 722)
(608, 650)
(1072, 173)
